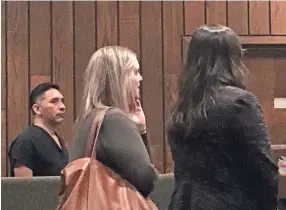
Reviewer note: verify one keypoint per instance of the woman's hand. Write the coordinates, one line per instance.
(138, 116)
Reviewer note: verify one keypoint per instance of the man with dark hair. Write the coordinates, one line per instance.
(38, 150)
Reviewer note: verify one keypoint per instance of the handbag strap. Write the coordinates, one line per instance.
(92, 137)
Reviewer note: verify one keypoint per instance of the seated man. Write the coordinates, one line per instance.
(38, 150)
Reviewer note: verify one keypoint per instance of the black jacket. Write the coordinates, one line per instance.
(226, 164)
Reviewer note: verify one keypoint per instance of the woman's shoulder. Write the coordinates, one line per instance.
(115, 112)
(116, 115)
(234, 95)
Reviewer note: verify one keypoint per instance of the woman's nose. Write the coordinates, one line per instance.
(140, 77)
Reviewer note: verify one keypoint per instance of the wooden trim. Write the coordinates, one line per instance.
(265, 40)
(278, 146)
(262, 39)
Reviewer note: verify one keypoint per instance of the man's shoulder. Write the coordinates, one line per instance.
(26, 136)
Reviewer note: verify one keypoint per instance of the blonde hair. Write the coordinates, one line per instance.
(107, 80)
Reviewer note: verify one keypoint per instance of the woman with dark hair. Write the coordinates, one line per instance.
(217, 133)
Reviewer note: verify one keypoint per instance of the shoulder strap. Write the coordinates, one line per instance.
(92, 137)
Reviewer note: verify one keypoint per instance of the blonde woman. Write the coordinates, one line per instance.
(112, 79)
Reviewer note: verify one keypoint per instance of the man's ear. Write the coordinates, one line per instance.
(36, 109)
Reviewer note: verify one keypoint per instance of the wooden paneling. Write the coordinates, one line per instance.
(3, 55)
(238, 16)
(261, 83)
(273, 40)
(259, 17)
(40, 68)
(53, 41)
(194, 15)
(107, 23)
(216, 12)
(129, 10)
(280, 73)
(277, 128)
(172, 29)
(278, 17)
(17, 67)
(40, 38)
(37, 79)
(152, 94)
(129, 26)
(3, 143)
(268, 74)
(3, 91)
(63, 72)
(84, 43)
(170, 97)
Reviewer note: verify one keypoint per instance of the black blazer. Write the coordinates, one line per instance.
(227, 163)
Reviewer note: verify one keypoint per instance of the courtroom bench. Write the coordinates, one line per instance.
(41, 193)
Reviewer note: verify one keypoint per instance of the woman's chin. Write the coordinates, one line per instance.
(137, 96)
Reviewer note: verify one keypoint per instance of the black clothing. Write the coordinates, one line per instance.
(227, 164)
(37, 150)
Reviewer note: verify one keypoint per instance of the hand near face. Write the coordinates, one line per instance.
(138, 116)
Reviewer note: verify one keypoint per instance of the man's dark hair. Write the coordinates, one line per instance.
(39, 90)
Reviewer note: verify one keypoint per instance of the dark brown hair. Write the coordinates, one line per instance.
(214, 59)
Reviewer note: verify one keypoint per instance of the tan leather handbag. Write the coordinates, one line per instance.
(89, 185)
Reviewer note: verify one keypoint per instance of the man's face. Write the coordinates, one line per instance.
(50, 106)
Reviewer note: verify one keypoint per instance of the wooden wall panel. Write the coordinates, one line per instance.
(17, 67)
(40, 38)
(63, 72)
(84, 44)
(152, 72)
(37, 79)
(261, 83)
(129, 26)
(237, 17)
(53, 41)
(3, 55)
(267, 67)
(172, 29)
(278, 17)
(3, 91)
(3, 143)
(259, 17)
(216, 12)
(277, 128)
(263, 40)
(185, 47)
(280, 73)
(39, 44)
(107, 23)
(194, 12)
(129, 10)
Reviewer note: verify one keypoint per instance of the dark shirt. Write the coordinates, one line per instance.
(226, 163)
(37, 150)
(119, 147)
